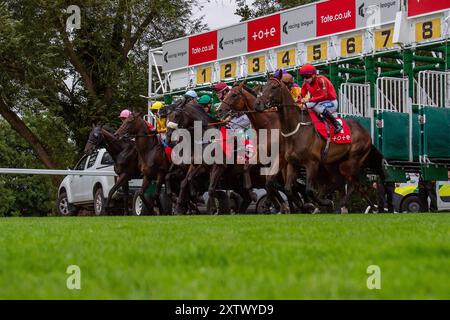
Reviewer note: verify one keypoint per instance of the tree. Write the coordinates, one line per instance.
(55, 83)
(83, 76)
(264, 7)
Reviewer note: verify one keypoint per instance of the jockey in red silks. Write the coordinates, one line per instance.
(323, 97)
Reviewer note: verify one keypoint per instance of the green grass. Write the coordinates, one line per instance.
(227, 257)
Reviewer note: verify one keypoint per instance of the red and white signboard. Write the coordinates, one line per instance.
(264, 33)
(203, 48)
(417, 7)
(335, 16)
(304, 23)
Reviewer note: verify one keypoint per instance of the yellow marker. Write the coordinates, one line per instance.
(428, 30)
(317, 52)
(351, 46)
(228, 70)
(256, 64)
(286, 58)
(383, 39)
(204, 75)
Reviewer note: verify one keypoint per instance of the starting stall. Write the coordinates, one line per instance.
(388, 60)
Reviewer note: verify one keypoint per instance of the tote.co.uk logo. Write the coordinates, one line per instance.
(339, 16)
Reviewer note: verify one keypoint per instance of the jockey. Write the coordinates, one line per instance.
(124, 114)
(190, 97)
(221, 90)
(160, 121)
(206, 102)
(295, 90)
(323, 95)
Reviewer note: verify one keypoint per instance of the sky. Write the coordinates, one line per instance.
(218, 13)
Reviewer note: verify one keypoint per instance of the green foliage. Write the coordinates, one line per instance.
(31, 195)
(227, 257)
(59, 82)
(264, 7)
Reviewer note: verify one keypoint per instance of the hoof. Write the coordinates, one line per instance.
(309, 208)
(285, 209)
(344, 210)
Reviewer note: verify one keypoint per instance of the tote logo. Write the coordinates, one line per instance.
(74, 20)
(335, 16)
(264, 33)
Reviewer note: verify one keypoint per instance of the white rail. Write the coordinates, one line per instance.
(56, 172)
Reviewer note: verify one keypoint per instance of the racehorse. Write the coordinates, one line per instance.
(304, 147)
(124, 155)
(241, 99)
(184, 118)
(153, 161)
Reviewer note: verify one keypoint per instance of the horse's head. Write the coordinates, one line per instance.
(272, 94)
(235, 100)
(175, 120)
(95, 139)
(131, 125)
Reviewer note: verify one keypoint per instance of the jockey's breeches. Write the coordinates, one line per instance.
(319, 107)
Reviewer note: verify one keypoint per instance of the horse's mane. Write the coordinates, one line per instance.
(198, 113)
(251, 91)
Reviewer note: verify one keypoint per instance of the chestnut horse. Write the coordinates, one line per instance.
(304, 147)
(241, 99)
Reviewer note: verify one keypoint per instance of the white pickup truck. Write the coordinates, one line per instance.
(81, 191)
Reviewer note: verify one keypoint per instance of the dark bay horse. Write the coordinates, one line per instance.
(241, 99)
(184, 118)
(304, 147)
(153, 162)
(124, 155)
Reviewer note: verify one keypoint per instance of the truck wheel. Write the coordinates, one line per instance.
(64, 208)
(166, 204)
(139, 209)
(411, 204)
(263, 206)
(99, 203)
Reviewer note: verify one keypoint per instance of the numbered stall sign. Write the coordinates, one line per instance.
(286, 58)
(384, 38)
(256, 65)
(428, 30)
(204, 75)
(351, 46)
(317, 52)
(228, 70)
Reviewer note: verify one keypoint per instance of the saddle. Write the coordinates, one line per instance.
(326, 129)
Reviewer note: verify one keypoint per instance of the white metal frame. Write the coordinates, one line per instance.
(433, 89)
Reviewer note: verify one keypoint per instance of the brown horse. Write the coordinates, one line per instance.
(241, 99)
(184, 118)
(304, 147)
(153, 162)
(124, 155)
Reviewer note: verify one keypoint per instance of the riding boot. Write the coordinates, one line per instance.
(337, 125)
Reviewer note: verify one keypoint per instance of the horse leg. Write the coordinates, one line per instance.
(184, 188)
(290, 177)
(125, 198)
(159, 183)
(273, 195)
(121, 180)
(145, 184)
(246, 200)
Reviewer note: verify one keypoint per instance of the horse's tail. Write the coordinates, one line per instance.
(374, 162)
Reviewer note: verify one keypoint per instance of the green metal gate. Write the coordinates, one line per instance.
(394, 119)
